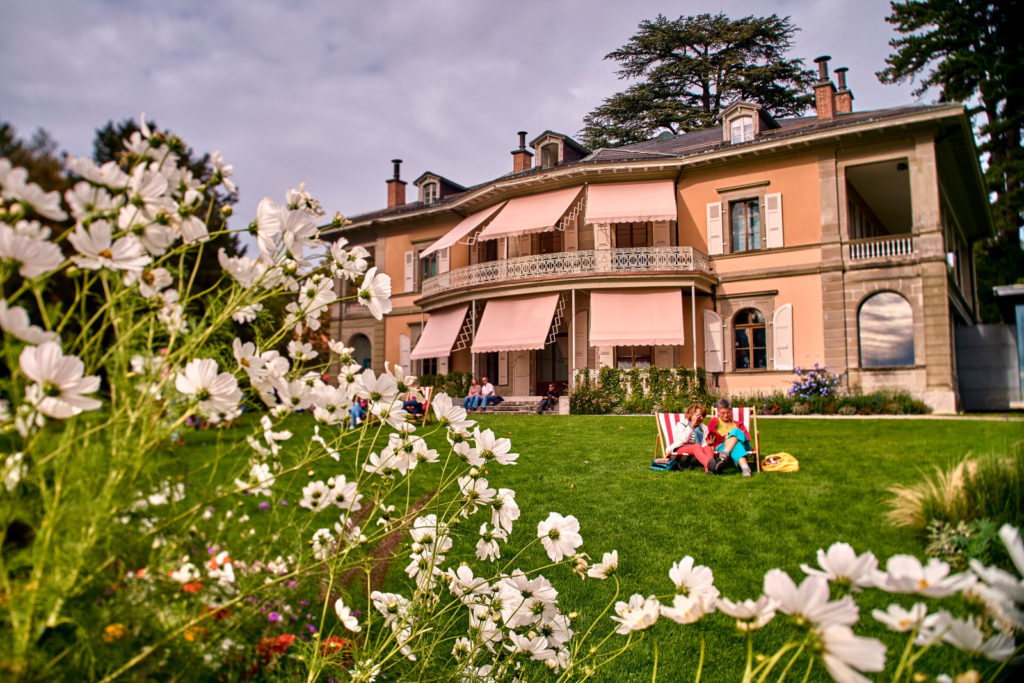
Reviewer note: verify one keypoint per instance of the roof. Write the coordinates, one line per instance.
(681, 146)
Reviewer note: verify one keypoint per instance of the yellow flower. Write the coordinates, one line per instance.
(114, 632)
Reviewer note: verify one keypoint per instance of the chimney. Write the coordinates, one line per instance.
(824, 90)
(522, 158)
(844, 97)
(396, 187)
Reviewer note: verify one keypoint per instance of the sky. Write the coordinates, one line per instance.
(328, 92)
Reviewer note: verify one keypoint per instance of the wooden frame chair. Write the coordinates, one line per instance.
(742, 416)
(427, 393)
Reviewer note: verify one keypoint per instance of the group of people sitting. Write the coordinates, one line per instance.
(713, 446)
(480, 395)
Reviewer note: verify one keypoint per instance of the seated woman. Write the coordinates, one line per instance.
(730, 440)
(688, 437)
(472, 401)
(357, 413)
(412, 404)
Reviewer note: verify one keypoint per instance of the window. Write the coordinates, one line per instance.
(428, 267)
(428, 366)
(488, 250)
(632, 235)
(750, 337)
(886, 327)
(745, 225)
(629, 357)
(547, 242)
(549, 155)
(429, 193)
(361, 350)
(741, 129)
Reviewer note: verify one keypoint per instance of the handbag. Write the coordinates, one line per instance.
(780, 462)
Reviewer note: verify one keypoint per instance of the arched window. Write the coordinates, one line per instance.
(750, 337)
(886, 327)
(361, 350)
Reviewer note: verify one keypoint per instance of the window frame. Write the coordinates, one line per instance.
(914, 332)
(727, 196)
(761, 233)
(633, 356)
(745, 121)
(751, 348)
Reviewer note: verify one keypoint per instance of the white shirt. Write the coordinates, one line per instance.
(683, 434)
(487, 390)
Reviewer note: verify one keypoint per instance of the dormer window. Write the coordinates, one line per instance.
(429, 193)
(741, 129)
(549, 155)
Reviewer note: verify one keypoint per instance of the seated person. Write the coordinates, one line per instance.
(550, 399)
(412, 405)
(487, 395)
(472, 401)
(730, 440)
(688, 440)
(358, 412)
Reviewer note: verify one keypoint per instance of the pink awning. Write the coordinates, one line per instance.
(515, 324)
(636, 317)
(440, 333)
(463, 228)
(628, 202)
(535, 213)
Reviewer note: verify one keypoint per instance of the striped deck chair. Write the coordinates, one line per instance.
(747, 419)
(426, 393)
(666, 422)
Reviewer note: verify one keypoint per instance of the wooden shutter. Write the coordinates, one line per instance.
(442, 365)
(714, 353)
(442, 260)
(404, 348)
(605, 356)
(782, 330)
(410, 271)
(502, 368)
(773, 220)
(521, 371)
(662, 234)
(715, 241)
(524, 245)
(572, 235)
(580, 332)
(602, 236)
(663, 357)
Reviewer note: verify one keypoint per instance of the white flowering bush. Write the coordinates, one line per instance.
(126, 553)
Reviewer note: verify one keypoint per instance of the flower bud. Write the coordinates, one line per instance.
(226, 211)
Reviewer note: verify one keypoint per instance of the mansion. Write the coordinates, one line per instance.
(750, 249)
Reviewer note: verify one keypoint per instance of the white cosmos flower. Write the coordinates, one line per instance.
(750, 615)
(301, 351)
(381, 389)
(348, 620)
(218, 394)
(504, 510)
(222, 172)
(87, 201)
(262, 479)
(637, 614)
(1010, 536)
(375, 293)
(151, 282)
(97, 249)
(475, 492)
(492, 448)
(688, 609)
(810, 601)
(450, 414)
(147, 190)
(34, 257)
(840, 564)
(14, 321)
(246, 314)
(968, 637)
(606, 567)
(109, 174)
(843, 653)
(16, 186)
(59, 386)
(469, 454)
(902, 620)
(690, 579)
(14, 470)
(905, 574)
(559, 535)
(487, 547)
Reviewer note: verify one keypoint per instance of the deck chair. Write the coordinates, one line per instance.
(748, 418)
(427, 393)
(666, 422)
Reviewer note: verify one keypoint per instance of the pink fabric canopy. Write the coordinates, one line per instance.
(440, 333)
(535, 213)
(463, 228)
(628, 202)
(636, 317)
(515, 324)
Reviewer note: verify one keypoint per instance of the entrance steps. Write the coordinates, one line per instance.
(523, 405)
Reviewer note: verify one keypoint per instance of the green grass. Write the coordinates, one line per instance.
(596, 468)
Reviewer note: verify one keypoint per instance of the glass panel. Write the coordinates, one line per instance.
(760, 338)
(742, 339)
(742, 360)
(754, 214)
(886, 324)
(760, 358)
(739, 234)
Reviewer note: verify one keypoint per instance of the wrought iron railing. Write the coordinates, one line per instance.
(881, 247)
(568, 263)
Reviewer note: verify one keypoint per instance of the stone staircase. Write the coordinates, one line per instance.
(523, 405)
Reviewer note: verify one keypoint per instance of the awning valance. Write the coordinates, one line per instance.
(640, 317)
(628, 202)
(535, 213)
(516, 323)
(440, 333)
(463, 228)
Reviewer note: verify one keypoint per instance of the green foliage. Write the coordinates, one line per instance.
(638, 390)
(688, 69)
(876, 403)
(959, 543)
(455, 383)
(971, 52)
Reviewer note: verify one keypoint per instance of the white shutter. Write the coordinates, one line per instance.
(773, 220)
(404, 348)
(662, 235)
(502, 248)
(502, 368)
(602, 236)
(442, 260)
(714, 355)
(663, 357)
(580, 330)
(442, 365)
(715, 242)
(521, 374)
(782, 330)
(410, 271)
(605, 356)
(524, 245)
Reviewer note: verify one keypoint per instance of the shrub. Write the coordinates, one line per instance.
(816, 382)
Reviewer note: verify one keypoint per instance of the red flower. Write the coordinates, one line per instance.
(218, 614)
(271, 646)
(333, 645)
(192, 587)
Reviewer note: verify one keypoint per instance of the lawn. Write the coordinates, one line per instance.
(596, 468)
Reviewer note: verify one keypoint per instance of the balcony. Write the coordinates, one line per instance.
(885, 248)
(571, 263)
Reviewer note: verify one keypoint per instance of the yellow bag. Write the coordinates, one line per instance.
(780, 462)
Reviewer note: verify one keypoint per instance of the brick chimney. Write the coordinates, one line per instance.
(824, 90)
(396, 187)
(522, 158)
(844, 97)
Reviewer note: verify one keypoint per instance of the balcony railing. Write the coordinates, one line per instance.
(568, 263)
(886, 247)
